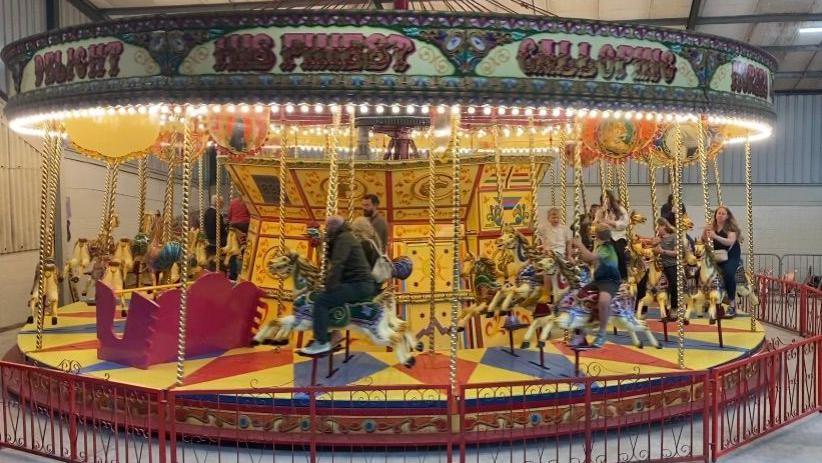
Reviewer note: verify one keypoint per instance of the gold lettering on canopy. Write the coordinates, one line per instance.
(350, 52)
(557, 58)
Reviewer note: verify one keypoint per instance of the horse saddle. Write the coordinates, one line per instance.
(360, 313)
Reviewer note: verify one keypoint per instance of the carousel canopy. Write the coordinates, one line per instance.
(516, 66)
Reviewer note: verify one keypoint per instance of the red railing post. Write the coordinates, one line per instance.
(706, 417)
(162, 429)
(312, 416)
(72, 417)
(803, 310)
(462, 436)
(819, 372)
(589, 444)
(714, 415)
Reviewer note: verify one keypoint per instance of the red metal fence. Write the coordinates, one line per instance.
(678, 416)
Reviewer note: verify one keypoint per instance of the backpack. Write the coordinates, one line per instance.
(383, 268)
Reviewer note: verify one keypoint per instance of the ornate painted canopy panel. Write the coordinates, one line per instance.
(397, 57)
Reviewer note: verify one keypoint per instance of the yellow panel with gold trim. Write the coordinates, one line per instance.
(420, 254)
(292, 229)
(266, 247)
(515, 209)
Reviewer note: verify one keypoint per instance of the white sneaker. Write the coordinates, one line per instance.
(316, 348)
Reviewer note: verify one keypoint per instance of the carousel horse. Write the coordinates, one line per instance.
(578, 310)
(657, 290)
(232, 246)
(113, 277)
(745, 288)
(550, 265)
(710, 290)
(122, 253)
(527, 288)
(50, 293)
(75, 268)
(483, 275)
(197, 243)
(377, 318)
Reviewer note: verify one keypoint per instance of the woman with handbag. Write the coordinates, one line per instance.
(613, 215)
(724, 233)
(362, 229)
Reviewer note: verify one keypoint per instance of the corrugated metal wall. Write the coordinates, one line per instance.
(68, 15)
(19, 191)
(793, 154)
(19, 19)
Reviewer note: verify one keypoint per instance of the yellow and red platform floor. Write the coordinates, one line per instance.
(73, 341)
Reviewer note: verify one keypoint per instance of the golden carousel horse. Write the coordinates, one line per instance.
(710, 290)
(527, 288)
(76, 267)
(50, 294)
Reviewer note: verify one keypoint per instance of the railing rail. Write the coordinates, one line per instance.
(676, 416)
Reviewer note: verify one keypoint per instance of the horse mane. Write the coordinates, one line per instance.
(305, 269)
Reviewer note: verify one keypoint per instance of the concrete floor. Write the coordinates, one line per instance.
(797, 443)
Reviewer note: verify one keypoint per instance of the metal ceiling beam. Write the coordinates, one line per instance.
(693, 15)
(798, 75)
(221, 7)
(88, 9)
(740, 19)
(790, 48)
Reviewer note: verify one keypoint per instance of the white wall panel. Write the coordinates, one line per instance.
(19, 18)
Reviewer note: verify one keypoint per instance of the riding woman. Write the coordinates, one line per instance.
(724, 233)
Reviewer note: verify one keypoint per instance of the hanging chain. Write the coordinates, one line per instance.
(552, 173)
(432, 245)
(578, 206)
(54, 175)
(680, 247)
(333, 172)
(563, 176)
(202, 191)
(703, 173)
(602, 181)
(51, 143)
(219, 216)
(498, 167)
(623, 185)
(188, 154)
(749, 214)
(718, 181)
(455, 285)
(532, 157)
(652, 182)
(168, 201)
(142, 185)
(106, 188)
(282, 174)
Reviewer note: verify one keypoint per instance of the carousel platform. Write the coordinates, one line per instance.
(72, 344)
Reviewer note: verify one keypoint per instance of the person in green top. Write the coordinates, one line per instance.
(348, 279)
(606, 274)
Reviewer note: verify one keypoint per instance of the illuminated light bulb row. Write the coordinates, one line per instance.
(168, 112)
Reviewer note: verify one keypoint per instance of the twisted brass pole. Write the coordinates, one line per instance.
(54, 175)
(142, 175)
(456, 283)
(532, 158)
(703, 173)
(219, 217)
(202, 192)
(51, 147)
(333, 172)
(432, 246)
(563, 176)
(718, 181)
(188, 154)
(749, 214)
(168, 199)
(351, 168)
(283, 177)
(680, 248)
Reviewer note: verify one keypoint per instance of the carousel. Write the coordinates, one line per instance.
(465, 126)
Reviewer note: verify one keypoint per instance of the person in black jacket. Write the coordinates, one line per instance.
(667, 210)
(213, 218)
(348, 279)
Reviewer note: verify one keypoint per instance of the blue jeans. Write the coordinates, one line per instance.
(345, 293)
(728, 269)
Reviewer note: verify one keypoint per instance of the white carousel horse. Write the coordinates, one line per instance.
(657, 290)
(377, 318)
(122, 253)
(576, 312)
(50, 292)
(232, 246)
(113, 277)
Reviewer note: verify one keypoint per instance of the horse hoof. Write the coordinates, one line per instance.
(53, 321)
(419, 347)
(255, 343)
(525, 345)
(712, 321)
(30, 319)
(659, 346)
(640, 345)
(410, 362)
(541, 344)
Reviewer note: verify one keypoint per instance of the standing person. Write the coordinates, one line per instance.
(606, 275)
(370, 209)
(348, 280)
(666, 250)
(724, 233)
(613, 215)
(667, 210)
(214, 218)
(238, 215)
